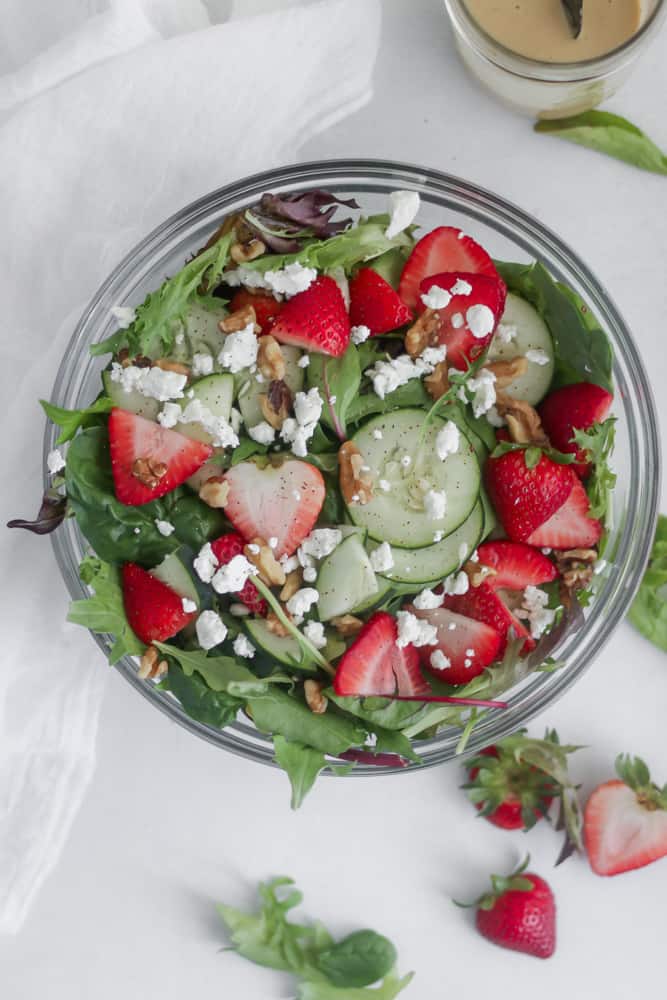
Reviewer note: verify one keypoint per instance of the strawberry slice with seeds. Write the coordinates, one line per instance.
(469, 320)
(574, 407)
(374, 665)
(148, 460)
(443, 249)
(375, 304)
(516, 565)
(625, 821)
(154, 611)
(526, 498)
(484, 605)
(465, 646)
(315, 320)
(570, 527)
(224, 550)
(265, 305)
(275, 501)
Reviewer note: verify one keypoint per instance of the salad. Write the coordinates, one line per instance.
(344, 477)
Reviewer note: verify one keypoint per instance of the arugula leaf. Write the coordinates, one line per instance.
(278, 713)
(104, 612)
(212, 708)
(389, 988)
(598, 441)
(360, 959)
(222, 673)
(609, 134)
(194, 521)
(338, 381)
(302, 765)
(582, 350)
(162, 313)
(648, 613)
(71, 420)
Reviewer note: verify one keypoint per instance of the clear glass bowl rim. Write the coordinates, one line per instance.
(634, 542)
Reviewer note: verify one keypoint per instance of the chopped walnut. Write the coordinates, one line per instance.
(148, 471)
(270, 360)
(437, 383)
(214, 492)
(292, 583)
(124, 357)
(141, 361)
(274, 624)
(423, 333)
(172, 366)
(276, 404)
(355, 480)
(315, 700)
(261, 556)
(151, 665)
(523, 421)
(347, 624)
(241, 253)
(576, 567)
(507, 371)
(477, 573)
(239, 320)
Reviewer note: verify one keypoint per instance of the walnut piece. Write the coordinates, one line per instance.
(148, 471)
(523, 421)
(151, 665)
(274, 624)
(347, 624)
(276, 403)
(437, 383)
(239, 320)
(355, 479)
(270, 360)
(260, 554)
(477, 573)
(315, 700)
(214, 492)
(507, 371)
(423, 332)
(576, 567)
(172, 366)
(241, 253)
(292, 583)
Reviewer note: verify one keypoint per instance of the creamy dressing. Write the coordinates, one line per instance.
(539, 29)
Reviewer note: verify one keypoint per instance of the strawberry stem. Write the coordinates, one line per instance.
(304, 643)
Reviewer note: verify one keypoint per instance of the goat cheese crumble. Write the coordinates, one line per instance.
(239, 349)
(262, 433)
(359, 334)
(538, 356)
(414, 631)
(232, 577)
(188, 605)
(428, 600)
(381, 558)
(436, 298)
(403, 208)
(447, 440)
(202, 364)
(484, 391)
(534, 609)
(439, 661)
(164, 527)
(55, 461)
(154, 382)
(210, 629)
(480, 321)
(243, 647)
(314, 631)
(435, 504)
(457, 583)
(300, 603)
(205, 563)
(124, 315)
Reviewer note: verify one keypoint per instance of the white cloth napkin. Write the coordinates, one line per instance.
(112, 123)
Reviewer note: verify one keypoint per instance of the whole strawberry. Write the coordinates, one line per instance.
(519, 913)
(625, 821)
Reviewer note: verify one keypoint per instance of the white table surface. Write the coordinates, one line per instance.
(171, 825)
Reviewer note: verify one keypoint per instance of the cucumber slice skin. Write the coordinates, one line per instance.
(272, 649)
(346, 579)
(216, 393)
(433, 563)
(175, 571)
(133, 402)
(384, 586)
(532, 334)
(388, 517)
(248, 398)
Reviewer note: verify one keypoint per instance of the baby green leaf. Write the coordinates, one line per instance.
(337, 380)
(222, 673)
(302, 764)
(70, 420)
(212, 708)
(104, 611)
(610, 134)
(649, 610)
(360, 959)
(279, 713)
(388, 989)
(598, 441)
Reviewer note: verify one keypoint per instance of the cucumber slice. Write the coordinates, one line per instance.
(532, 334)
(133, 401)
(216, 393)
(276, 648)
(373, 599)
(345, 580)
(175, 571)
(398, 516)
(389, 265)
(203, 334)
(490, 519)
(249, 389)
(434, 562)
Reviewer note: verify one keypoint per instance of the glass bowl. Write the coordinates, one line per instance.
(509, 234)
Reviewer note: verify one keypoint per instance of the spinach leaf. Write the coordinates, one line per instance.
(162, 313)
(278, 713)
(302, 765)
(582, 351)
(71, 420)
(388, 989)
(393, 741)
(212, 708)
(246, 448)
(412, 393)
(360, 959)
(598, 441)
(222, 673)
(337, 380)
(381, 713)
(104, 612)
(649, 610)
(609, 134)
(195, 522)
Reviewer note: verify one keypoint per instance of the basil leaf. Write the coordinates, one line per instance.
(388, 989)
(338, 381)
(212, 708)
(71, 420)
(609, 134)
(278, 713)
(648, 613)
(104, 612)
(360, 959)
(582, 350)
(302, 765)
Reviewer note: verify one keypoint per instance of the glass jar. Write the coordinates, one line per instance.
(546, 89)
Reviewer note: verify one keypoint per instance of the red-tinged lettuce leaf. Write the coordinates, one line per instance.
(51, 513)
(282, 220)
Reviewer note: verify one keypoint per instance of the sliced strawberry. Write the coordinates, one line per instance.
(525, 498)
(468, 644)
(154, 611)
(224, 550)
(443, 249)
(375, 665)
(277, 501)
(516, 565)
(315, 320)
(574, 407)
(484, 605)
(265, 305)
(570, 527)
(485, 293)
(625, 821)
(143, 452)
(375, 304)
